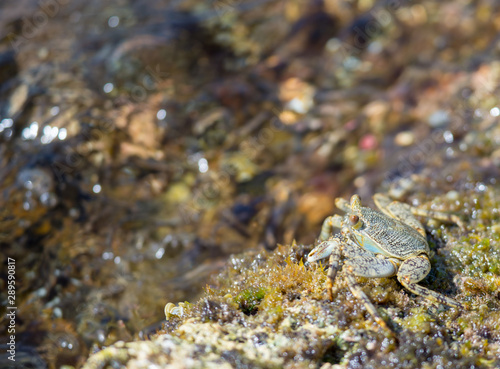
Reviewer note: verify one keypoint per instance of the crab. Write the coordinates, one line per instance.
(376, 244)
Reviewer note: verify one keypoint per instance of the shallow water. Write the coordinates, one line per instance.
(143, 143)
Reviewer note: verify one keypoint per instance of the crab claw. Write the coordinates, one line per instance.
(324, 249)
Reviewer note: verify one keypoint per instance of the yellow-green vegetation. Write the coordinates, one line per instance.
(261, 285)
(477, 254)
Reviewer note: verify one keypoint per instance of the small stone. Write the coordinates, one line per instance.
(371, 345)
(452, 195)
(368, 142)
(405, 138)
(359, 181)
(18, 100)
(439, 118)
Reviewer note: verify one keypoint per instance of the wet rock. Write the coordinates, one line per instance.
(268, 309)
(17, 101)
(439, 118)
(8, 67)
(36, 180)
(405, 138)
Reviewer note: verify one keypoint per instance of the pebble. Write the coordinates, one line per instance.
(368, 142)
(439, 118)
(18, 100)
(405, 138)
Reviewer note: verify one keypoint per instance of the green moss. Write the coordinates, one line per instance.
(477, 256)
(418, 321)
(249, 299)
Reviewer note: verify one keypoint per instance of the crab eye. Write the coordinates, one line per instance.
(354, 220)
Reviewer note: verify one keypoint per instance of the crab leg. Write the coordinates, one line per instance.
(398, 210)
(361, 265)
(358, 293)
(342, 204)
(332, 270)
(414, 270)
(403, 212)
(444, 217)
(370, 267)
(328, 224)
(333, 248)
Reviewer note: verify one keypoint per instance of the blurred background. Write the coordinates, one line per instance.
(144, 142)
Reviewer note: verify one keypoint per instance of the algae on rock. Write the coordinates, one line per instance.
(269, 310)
